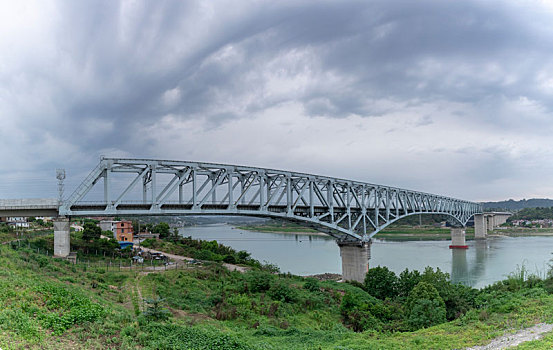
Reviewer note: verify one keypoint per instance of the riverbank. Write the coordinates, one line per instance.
(291, 229)
(211, 307)
(521, 231)
(404, 233)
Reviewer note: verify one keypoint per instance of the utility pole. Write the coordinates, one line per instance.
(60, 175)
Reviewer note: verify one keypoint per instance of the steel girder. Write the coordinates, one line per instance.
(347, 210)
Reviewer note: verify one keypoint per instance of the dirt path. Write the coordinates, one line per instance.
(183, 259)
(514, 339)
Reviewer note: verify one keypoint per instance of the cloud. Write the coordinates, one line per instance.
(436, 95)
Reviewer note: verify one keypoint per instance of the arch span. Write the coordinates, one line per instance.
(345, 209)
(456, 219)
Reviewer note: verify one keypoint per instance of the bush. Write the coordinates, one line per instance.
(203, 255)
(165, 336)
(424, 307)
(458, 300)
(356, 314)
(280, 291)
(230, 259)
(311, 285)
(548, 284)
(426, 313)
(258, 281)
(148, 242)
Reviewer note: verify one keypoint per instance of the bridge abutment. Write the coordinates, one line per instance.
(355, 260)
(480, 229)
(61, 237)
(458, 238)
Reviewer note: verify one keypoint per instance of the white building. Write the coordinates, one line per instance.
(18, 222)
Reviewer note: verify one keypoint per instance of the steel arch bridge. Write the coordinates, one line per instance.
(346, 210)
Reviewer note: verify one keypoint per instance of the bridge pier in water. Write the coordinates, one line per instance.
(480, 226)
(61, 237)
(458, 238)
(355, 260)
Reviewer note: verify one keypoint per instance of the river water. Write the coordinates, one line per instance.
(483, 263)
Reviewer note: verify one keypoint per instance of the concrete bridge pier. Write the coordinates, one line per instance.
(61, 237)
(489, 222)
(458, 238)
(355, 260)
(480, 226)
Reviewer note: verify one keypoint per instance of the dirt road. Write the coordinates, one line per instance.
(183, 259)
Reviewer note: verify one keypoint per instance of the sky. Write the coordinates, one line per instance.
(447, 97)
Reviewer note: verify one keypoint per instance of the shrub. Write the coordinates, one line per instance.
(311, 285)
(258, 281)
(356, 314)
(424, 307)
(203, 254)
(548, 284)
(282, 292)
(230, 259)
(458, 300)
(165, 336)
(425, 313)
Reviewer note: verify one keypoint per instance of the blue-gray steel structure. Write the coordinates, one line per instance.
(345, 209)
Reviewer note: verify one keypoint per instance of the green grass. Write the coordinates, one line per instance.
(47, 303)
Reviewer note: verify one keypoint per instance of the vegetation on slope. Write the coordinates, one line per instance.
(202, 250)
(48, 303)
(533, 214)
(512, 205)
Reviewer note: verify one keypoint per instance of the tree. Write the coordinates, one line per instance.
(91, 231)
(162, 229)
(154, 310)
(108, 233)
(174, 236)
(381, 283)
(407, 281)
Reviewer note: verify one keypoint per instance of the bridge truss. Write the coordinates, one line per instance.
(347, 210)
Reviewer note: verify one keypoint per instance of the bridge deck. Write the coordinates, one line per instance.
(29, 207)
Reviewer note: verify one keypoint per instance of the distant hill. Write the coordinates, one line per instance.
(521, 204)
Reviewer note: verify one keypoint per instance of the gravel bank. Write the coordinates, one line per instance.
(514, 339)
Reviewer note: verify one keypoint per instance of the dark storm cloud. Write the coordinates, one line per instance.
(103, 72)
(399, 50)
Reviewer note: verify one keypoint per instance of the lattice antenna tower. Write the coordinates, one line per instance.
(60, 175)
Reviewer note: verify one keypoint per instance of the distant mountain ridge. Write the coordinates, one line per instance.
(521, 204)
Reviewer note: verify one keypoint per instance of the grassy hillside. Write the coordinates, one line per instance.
(49, 304)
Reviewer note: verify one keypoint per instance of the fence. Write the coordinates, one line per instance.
(121, 264)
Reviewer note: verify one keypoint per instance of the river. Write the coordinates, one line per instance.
(484, 263)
